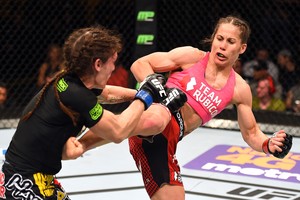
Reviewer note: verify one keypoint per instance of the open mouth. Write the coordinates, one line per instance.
(220, 55)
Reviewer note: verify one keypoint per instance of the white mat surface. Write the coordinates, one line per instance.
(215, 164)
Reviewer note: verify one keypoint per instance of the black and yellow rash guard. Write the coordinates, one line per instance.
(38, 141)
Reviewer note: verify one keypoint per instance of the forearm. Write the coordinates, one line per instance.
(141, 70)
(115, 94)
(251, 133)
(90, 140)
(254, 139)
(128, 120)
(260, 142)
(116, 128)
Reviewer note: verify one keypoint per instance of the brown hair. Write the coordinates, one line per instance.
(236, 21)
(81, 49)
(85, 45)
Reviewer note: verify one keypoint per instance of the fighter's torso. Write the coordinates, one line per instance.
(191, 119)
(38, 141)
(206, 98)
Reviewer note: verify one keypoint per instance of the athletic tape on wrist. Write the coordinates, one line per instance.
(145, 97)
(265, 146)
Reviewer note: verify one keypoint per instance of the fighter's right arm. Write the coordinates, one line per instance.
(165, 61)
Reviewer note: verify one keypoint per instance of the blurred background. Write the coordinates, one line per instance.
(33, 32)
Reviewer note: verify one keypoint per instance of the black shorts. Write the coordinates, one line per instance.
(157, 160)
(24, 186)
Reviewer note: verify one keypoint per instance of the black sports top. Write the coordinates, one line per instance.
(38, 141)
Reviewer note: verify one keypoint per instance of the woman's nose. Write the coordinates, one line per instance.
(223, 45)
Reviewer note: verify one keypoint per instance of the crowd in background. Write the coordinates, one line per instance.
(274, 84)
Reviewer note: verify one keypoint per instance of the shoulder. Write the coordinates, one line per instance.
(242, 91)
(72, 90)
(188, 50)
(240, 82)
(187, 54)
(72, 84)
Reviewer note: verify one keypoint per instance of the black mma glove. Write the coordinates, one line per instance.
(287, 145)
(175, 100)
(151, 90)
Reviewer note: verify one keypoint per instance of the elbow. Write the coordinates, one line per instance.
(120, 135)
(117, 141)
(134, 66)
(113, 133)
(137, 69)
(250, 135)
(117, 138)
(247, 135)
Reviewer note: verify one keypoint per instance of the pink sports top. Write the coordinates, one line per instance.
(204, 99)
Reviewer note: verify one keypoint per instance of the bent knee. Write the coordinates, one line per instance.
(159, 117)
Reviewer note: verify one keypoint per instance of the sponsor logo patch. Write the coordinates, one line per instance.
(96, 111)
(62, 85)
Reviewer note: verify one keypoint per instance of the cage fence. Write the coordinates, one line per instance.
(28, 28)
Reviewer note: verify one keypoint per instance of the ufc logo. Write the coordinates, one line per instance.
(264, 193)
(172, 95)
(158, 85)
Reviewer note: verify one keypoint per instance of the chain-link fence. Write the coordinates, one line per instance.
(28, 27)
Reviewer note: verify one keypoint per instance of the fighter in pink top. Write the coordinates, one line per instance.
(210, 84)
(204, 99)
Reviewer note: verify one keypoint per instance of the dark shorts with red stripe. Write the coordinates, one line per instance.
(156, 160)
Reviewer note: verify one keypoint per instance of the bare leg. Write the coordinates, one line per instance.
(168, 192)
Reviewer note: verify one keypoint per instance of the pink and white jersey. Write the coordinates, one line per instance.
(204, 99)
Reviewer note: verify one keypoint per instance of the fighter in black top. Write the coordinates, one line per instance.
(67, 104)
(40, 138)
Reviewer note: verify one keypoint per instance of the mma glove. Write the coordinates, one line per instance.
(175, 100)
(287, 145)
(152, 90)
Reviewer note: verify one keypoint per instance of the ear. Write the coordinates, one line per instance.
(243, 48)
(98, 64)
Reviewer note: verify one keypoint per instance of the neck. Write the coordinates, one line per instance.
(87, 81)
